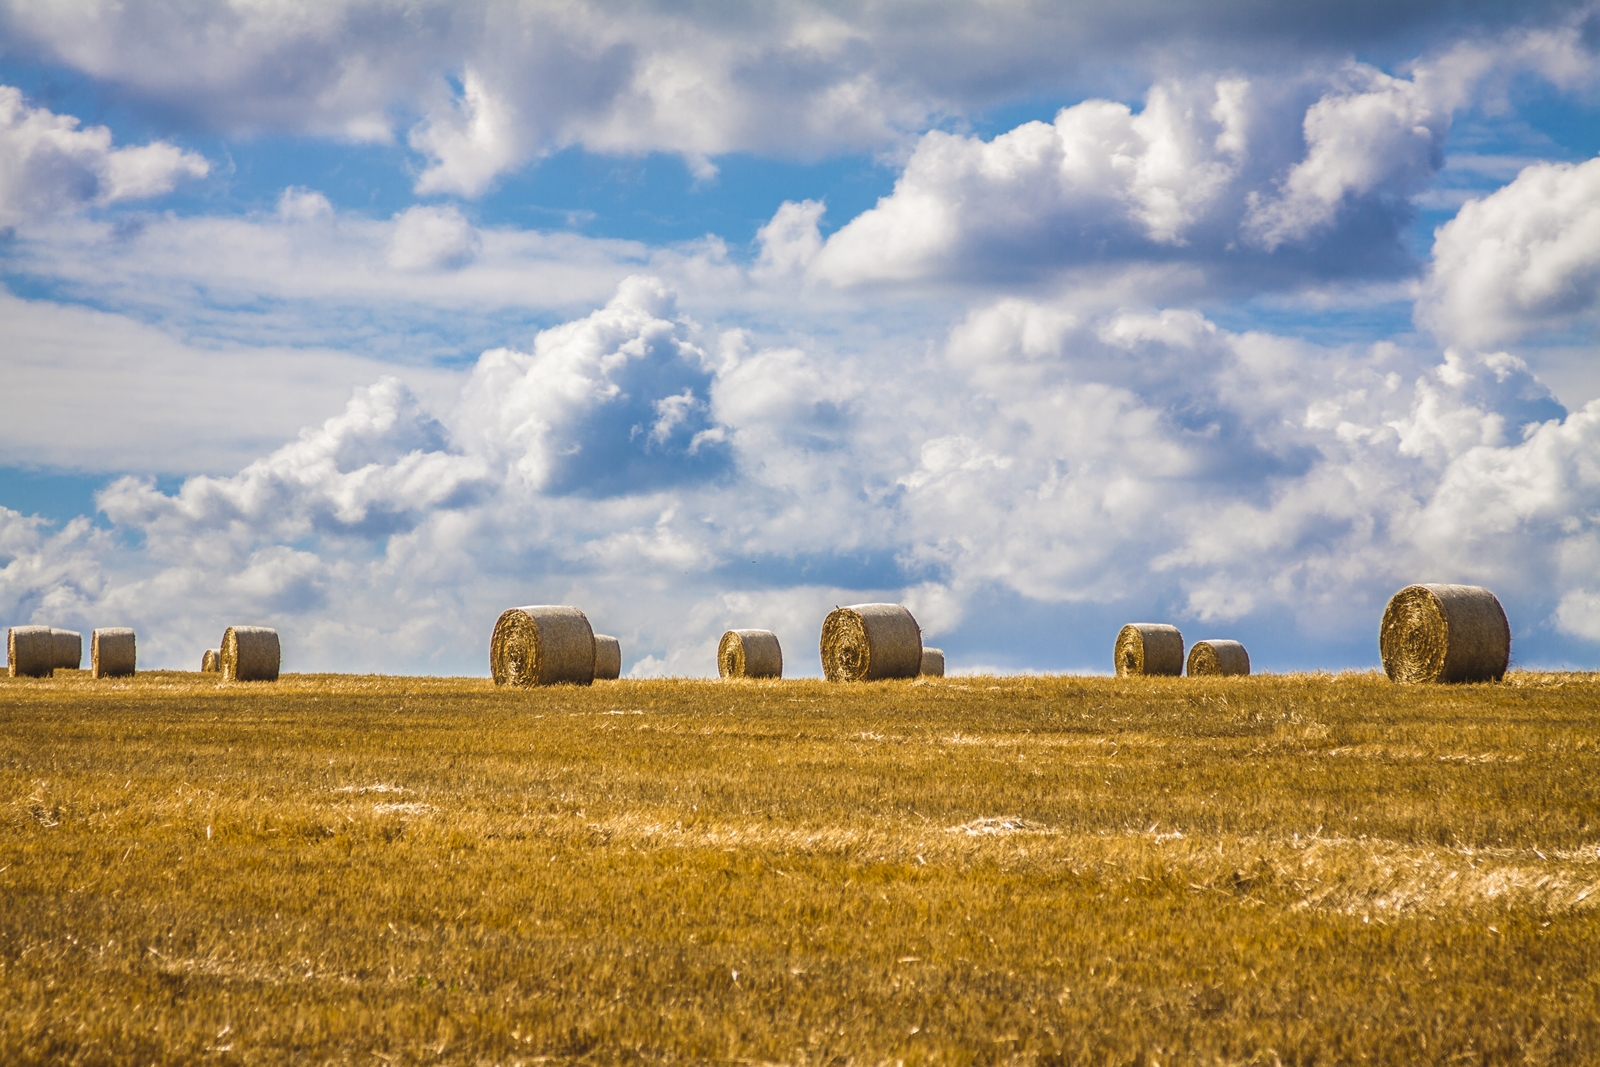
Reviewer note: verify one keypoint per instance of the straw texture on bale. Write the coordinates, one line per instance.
(542, 644)
(1149, 648)
(870, 642)
(1218, 658)
(932, 663)
(607, 658)
(1445, 633)
(30, 652)
(750, 654)
(211, 662)
(113, 652)
(69, 649)
(250, 654)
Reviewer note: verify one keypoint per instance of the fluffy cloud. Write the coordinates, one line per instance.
(480, 89)
(1524, 259)
(675, 484)
(48, 163)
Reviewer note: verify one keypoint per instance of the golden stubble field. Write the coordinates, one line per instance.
(338, 869)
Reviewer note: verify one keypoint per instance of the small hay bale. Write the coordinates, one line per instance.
(250, 654)
(30, 652)
(69, 649)
(932, 663)
(1149, 648)
(607, 658)
(211, 662)
(1218, 659)
(542, 644)
(750, 654)
(113, 652)
(1445, 633)
(870, 642)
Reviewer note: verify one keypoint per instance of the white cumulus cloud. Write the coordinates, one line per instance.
(50, 163)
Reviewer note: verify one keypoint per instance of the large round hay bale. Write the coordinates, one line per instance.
(1218, 659)
(30, 652)
(1445, 633)
(250, 654)
(607, 657)
(870, 642)
(211, 662)
(113, 652)
(750, 654)
(1149, 648)
(932, 663)
(542, 644)
(69, 649)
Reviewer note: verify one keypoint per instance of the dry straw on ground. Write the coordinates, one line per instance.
(68, 649)
(932, 663)
(30, 652)
(1218, 658)
(211, 662)
(250, 654)
(749, 654)
(607, 658)
(1149, 648)
(113, 652)
(871, 642)
(1445, 633)
(542, 644)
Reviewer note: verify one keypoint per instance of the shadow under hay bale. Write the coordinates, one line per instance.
(69, 649)
(607, 658)
(113, 652)
(1221, 659)
(932, 663)
(871, 642)
(211, 662)
(749, 654)
(1147, 649)
(250, 654)
(30, 652)
(1444, 633)
(542, 644)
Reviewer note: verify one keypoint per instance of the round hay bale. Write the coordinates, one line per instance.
(69, 649)
(1445, 633)
(113, 652)
(1149, 648)
(30, 652)
(542, 644)
(607, 658)
(249, 654)
(870, 642)
(932, 663)
(1218, 658)
(211, 662)
(750, 654)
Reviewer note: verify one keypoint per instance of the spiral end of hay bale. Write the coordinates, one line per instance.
(871, 642)
(542, 644)
(250, 654)
(932, 663)
(30, 652)
(68, 649)
(607, 658)
(1220, 659)
(749, 654)
(113, 652)
(1146, 649)
(211, 662)
(1444, 633)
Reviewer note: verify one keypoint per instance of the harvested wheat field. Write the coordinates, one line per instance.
(1262, 870)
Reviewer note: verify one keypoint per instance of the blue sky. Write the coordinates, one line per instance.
(367, 320)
